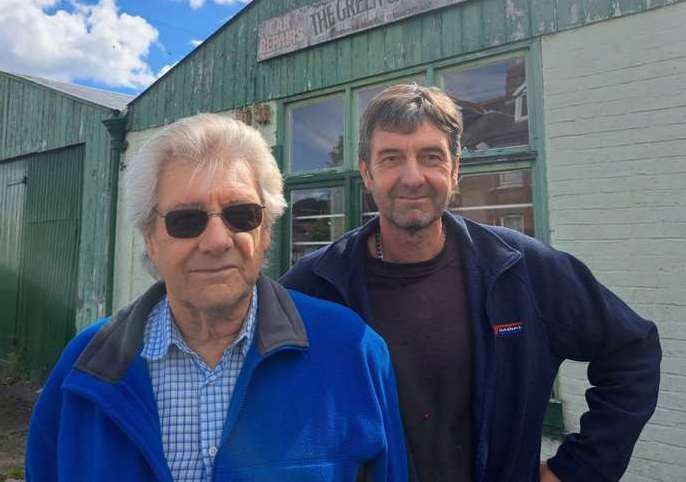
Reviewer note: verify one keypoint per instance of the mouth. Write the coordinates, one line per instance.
(217, 270)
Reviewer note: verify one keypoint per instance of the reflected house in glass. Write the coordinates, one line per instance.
(574, 120)
(493, 102)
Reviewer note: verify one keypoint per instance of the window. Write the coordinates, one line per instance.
(316, 132)
(498, 165)
(317, 219)
(493, 101)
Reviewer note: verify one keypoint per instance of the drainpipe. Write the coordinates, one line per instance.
(116, 126)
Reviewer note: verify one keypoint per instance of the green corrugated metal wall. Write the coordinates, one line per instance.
(224, 73)
(36, 119)
(12, 192)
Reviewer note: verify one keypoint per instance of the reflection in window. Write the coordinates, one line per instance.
(513, 221)
(509, 179)
(316, 134)
(493, 100)
(369, 209)
(501, 198)
(317, 218)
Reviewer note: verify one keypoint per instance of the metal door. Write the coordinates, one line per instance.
(12, 191)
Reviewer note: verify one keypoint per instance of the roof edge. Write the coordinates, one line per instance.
(29, 80)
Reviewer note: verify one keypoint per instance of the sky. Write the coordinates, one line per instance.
(118, 45)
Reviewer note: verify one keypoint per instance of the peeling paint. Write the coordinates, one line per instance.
(512, 11)
(574, 13)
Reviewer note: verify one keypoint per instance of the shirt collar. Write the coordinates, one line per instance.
(161, 331)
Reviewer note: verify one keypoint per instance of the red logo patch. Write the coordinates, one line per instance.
(506, 329)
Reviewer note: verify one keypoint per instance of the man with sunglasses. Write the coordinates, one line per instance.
(216, 372)
(478, 318)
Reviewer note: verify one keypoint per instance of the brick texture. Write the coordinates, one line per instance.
(615, 140)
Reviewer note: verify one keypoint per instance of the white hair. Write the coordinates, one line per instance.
(207, 141)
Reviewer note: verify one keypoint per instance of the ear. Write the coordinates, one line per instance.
(150, 245)
(365, 173)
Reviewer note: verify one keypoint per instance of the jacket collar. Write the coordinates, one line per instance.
(481, 248)
(111, 351)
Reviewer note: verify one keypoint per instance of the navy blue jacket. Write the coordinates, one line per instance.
(532, 307)
(314, 401)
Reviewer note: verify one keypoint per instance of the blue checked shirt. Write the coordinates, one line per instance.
(192, 399)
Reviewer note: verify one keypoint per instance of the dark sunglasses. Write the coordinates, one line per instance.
(190, 223)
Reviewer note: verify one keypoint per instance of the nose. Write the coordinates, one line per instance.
(217, 238)
(412, 175)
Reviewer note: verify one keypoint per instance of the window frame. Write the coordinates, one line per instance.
(531, 156)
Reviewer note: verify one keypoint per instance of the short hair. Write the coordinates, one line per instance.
(208, 141)
(403, 107)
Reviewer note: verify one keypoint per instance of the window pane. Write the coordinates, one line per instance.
(493, 100)
(501, 198)
(317, 217)
(369, 209)
(316, 131)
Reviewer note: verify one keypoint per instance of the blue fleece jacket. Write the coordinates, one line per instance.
(532, 307)
(315, 401)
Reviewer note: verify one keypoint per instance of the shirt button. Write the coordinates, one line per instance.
(213, 451)
(427, 415)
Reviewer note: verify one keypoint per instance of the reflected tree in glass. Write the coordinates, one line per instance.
(316, 134)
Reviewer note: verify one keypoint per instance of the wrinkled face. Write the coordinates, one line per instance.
(410, 176)
(217, 269)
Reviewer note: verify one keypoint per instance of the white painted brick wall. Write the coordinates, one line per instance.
(615, 120)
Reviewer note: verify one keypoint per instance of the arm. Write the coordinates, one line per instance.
(586, 322)
(42, 457)
(41, 460)
(391, 464)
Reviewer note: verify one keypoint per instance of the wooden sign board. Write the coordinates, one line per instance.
(331, 19)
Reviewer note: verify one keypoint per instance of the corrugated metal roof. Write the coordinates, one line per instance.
(106, 98)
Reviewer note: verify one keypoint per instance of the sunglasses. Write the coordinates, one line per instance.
(190, 223)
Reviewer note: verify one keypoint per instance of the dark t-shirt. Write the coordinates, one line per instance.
(421, 312)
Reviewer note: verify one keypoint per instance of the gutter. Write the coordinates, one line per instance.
(116, 126)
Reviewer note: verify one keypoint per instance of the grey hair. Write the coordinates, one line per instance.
(208, 141)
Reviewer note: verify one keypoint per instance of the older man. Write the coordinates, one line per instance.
(478, 318)
(217, 373)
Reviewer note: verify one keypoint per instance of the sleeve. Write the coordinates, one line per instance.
(41, 461)
(587, 322)
(391, 464)
(301, 278)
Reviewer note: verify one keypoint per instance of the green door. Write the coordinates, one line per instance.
(49, 256)
(12, 191)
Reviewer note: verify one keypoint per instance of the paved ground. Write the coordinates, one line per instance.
(16, 402)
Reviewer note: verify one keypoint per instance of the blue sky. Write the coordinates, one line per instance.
(120, 45)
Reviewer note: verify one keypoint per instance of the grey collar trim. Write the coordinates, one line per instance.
(110, 353)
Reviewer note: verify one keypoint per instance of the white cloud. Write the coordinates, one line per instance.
(195, 42)
(166, 68)
(94, 42)
(195, 4)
